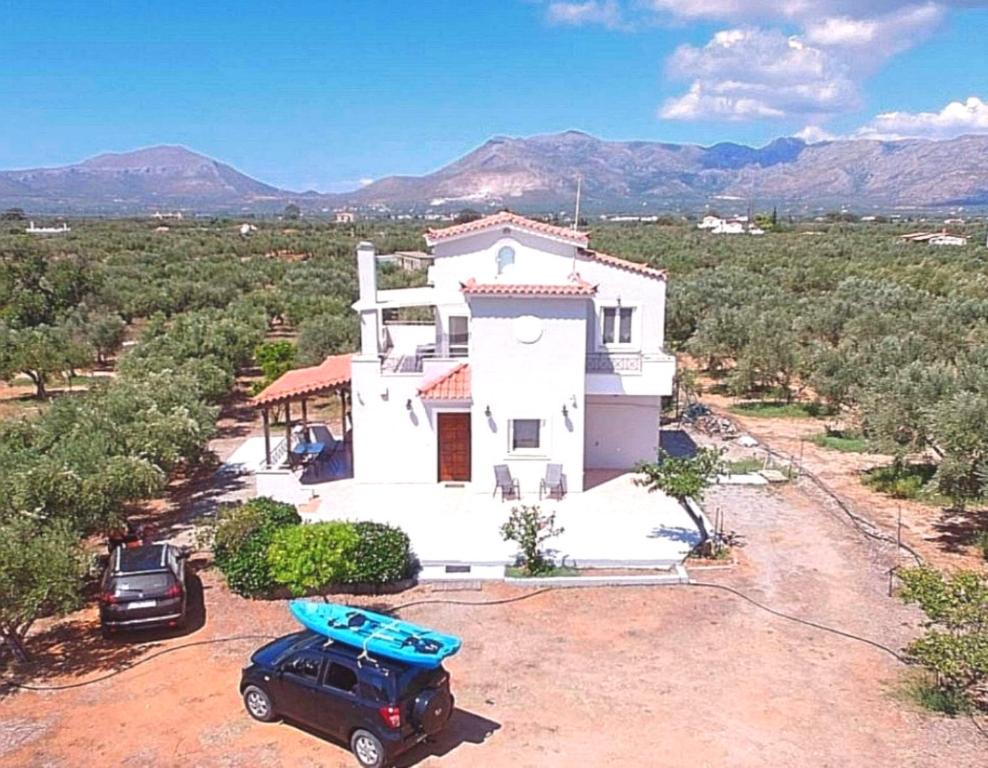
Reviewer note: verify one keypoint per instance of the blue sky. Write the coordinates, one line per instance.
(325, 94)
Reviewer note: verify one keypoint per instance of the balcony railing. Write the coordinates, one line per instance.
(614, 362)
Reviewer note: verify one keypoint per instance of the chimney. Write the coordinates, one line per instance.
(367, 271)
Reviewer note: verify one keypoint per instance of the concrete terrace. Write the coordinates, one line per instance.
(614, 523)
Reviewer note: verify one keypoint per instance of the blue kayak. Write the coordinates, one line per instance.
(376, 634)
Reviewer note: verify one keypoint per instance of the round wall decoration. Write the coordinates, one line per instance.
(528, 329)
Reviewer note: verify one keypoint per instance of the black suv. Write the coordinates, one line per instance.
(379, 707)
(143, 587)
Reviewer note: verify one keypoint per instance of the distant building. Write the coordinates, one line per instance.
(710, 222)
(246, 229)
(407, 260)
(175, 215)
(729, 227)
(934, 238)
(33, 230)
(345, 217)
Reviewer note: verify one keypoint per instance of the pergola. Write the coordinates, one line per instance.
(299, 385)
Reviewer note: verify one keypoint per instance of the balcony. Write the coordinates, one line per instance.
(630, 373)
(614, 362)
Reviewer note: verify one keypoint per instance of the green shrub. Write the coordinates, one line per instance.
(311, 557)
(308, 557)
(529, 528)
(982, 543)
(907, 481)
(840, 440)
(382, 555)
(241, 539)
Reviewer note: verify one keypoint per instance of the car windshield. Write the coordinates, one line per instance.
(141, 582)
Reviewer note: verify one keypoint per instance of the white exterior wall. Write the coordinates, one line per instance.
(611, 419)
(621, 431)
(391, 444)
(537, 260)
(528, 381)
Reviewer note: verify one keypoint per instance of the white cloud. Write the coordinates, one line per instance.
(955, 119)
(783, 58)
(604, 12)
(813, 134)
(365, 181)
(866, 43)
(752, 73)
(794, 11)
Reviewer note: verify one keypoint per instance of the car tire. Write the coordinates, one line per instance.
(258, 704)
(368, 749)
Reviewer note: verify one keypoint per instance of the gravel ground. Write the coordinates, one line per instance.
(666, 676)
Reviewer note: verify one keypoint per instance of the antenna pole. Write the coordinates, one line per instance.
(576, 217)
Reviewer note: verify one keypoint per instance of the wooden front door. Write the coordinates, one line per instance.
(454, 447)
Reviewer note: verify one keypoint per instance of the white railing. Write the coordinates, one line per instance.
(614, 362)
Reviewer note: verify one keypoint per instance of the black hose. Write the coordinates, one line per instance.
(137, 663)
(478, 603)
(806, 622)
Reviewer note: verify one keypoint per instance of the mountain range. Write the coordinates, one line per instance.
(539, 174)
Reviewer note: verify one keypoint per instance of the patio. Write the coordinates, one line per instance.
(614, 524)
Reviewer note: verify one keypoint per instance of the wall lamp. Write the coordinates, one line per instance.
(565, 411)
(408, 404)
(487, 411)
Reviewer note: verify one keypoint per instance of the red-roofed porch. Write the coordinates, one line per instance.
(299, 386)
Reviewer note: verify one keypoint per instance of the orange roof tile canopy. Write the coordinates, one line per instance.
(332, 373)
(452, 385)
(506, 218)
(631, 266)
(576, 288)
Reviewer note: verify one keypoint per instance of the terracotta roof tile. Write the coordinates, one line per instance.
(452, 385)
(577, 287)
(506, 218)
(631, 266)
(331, 373)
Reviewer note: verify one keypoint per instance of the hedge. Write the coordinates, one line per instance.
(262, 545)
(241, 541)
(311, 557)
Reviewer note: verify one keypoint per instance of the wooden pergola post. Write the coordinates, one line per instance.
(342, 413)
(267, 437)
(288, 429)
(305, 421)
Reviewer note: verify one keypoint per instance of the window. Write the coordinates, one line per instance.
(459, 336)
(341, 678)
(617, 325)
(525, 434)
(505, 258)
(303, 666)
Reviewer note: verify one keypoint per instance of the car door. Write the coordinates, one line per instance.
(298, 691)
(339, 707)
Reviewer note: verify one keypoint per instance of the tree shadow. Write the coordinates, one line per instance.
(75, 647)
(959, 529)
(676, 533)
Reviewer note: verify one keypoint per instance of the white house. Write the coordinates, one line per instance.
(934, 238)
(344, 217)
(710, 222)
(526, 348)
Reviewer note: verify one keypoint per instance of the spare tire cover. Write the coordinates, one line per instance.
(431, 709)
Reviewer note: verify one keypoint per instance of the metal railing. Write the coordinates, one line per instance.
(614, 362)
